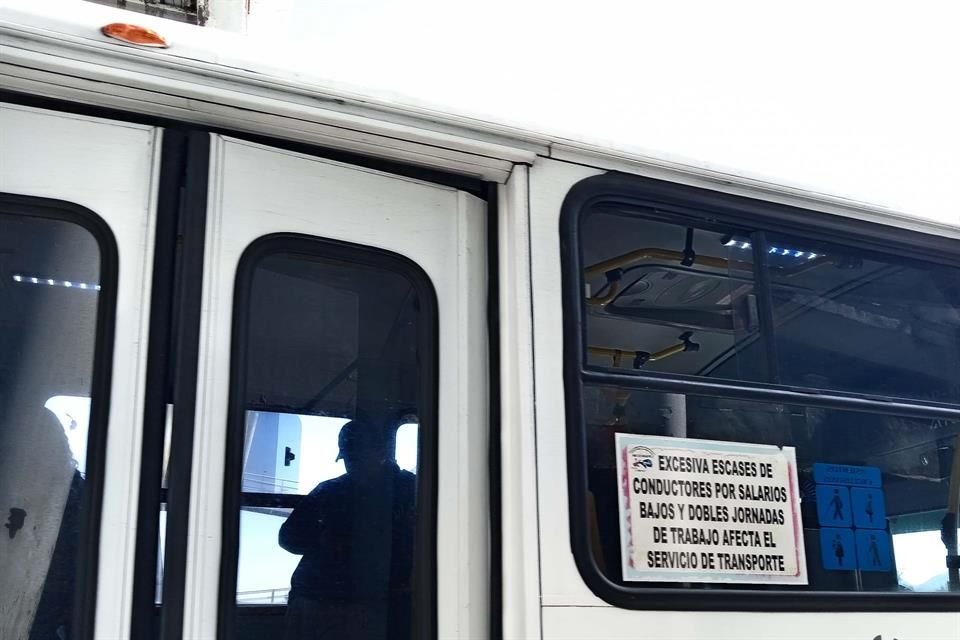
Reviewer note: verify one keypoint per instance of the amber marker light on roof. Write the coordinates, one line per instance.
(134, 34)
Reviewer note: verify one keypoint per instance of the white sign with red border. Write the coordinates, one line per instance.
(709, 511)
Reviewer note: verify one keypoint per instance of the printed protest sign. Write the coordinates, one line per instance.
(707, 511)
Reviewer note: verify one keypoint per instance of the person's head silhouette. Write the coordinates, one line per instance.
(364, 449)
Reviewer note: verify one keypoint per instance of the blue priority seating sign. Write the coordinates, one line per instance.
(838, 549)
(869, 508)
(873, 550)
(833, 506)
(852, 514)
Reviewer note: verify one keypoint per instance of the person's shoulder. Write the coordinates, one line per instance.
(404, 477)
(330, 486)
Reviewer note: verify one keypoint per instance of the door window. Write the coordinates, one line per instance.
(715, 327)
(333, 387)
(52, 416)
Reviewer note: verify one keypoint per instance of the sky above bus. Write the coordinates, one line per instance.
(857, 98)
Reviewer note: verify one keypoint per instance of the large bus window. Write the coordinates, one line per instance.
(911, 454)
(689, 324)
(52, 314)
(335, 350)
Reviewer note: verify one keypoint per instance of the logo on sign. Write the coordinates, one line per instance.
(641, 458)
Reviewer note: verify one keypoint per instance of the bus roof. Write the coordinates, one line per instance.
(237, 65)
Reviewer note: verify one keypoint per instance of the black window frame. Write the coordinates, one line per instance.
(88, 549)
(425, 561)
(701, 207)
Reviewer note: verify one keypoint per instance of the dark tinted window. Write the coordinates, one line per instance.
(913, 455)
(843, 319)
(335, 348)
(698, 318)
(50, 302)
(866, 322)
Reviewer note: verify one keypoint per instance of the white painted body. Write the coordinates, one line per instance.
(256, 191)
(204, 80)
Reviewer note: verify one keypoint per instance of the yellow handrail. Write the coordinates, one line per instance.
(651, 253)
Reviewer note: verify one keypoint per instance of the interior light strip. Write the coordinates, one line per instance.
(737, 243)
(809, 255)
(50, 282)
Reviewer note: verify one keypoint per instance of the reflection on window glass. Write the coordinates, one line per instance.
(73, 412)
(330, 450)
(162, 531)
(921, 554)
(914, 458)
(285, 453)
(406, 451)
(49, 296)
(272, 462)
(869, 323)
(264, 568)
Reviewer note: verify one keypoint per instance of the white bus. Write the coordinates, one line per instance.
(611, 396)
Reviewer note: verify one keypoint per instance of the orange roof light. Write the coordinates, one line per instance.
(134, 34)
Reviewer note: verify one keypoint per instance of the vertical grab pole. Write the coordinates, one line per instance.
(951, 521)
(758, 241)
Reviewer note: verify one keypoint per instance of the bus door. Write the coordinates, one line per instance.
(337, 472)
(76, 246)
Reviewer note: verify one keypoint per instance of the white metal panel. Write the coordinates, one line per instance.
(143, 93)
(110, 168)
(605, 623)
(464, 612)
(257, 190)
(560, 581)
(726, 180)
(520, 565)
(570, 610)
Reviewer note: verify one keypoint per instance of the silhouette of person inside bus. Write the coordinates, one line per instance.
(874, 551)
(838, 550)
(837, 503)
(355, 533)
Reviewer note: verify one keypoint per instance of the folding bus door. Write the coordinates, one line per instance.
(339, 462)
(76, 243)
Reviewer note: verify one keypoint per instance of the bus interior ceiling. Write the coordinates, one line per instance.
(646, 310)
(341, 354)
